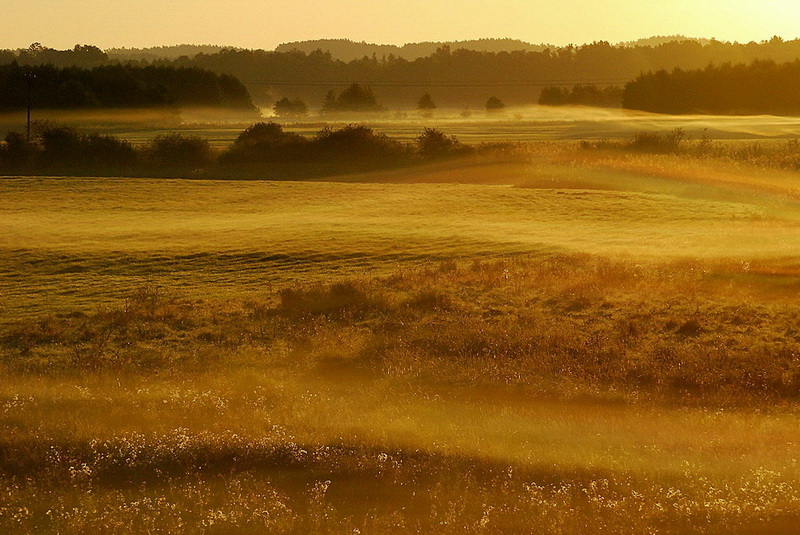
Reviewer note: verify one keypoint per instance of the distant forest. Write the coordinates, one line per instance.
(460, 77)
(347, 50)
(119, 86)
(453, 77)
(762, 87)
(161, 52)
(582, 95)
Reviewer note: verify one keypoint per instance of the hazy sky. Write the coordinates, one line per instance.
(266, 23)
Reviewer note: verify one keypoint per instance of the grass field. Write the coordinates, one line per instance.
(79, 241)
(585, 342)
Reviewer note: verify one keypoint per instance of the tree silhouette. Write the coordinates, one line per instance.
(763, 87)
(356, 98)
(121, 86)
(290, 108)
(582, 94)
(329, 104)
(465, 65)
(433, 143)
(426, 103)
(177, 151)
(494, 104)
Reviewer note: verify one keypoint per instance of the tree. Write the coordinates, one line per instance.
(426, 103)
(290, 108)
(329, 104)
(494, 104)
(356, 98)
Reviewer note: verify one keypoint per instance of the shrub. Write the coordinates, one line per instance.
(356, 141)
(339, 300)
(658, 143)
(433, 143)
(179, 151)
(16, 151)
(107, 152)
(265, 133)
(61, 146)
(65, 149)
(265, 142)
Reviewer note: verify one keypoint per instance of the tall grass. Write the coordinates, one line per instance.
(546, 395)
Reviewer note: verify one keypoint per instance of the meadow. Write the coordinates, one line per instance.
(585, 340)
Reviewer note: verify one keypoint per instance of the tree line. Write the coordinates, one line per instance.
(348, 50)
(761, 87)
(582, 95)
(461, 77)
(263, 150)
(119, 86)
(454, 77)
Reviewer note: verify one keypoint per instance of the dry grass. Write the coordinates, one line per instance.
(553, 394)
(78, 243)
(716, 330)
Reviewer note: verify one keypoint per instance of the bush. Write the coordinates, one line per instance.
(61, 146)
(106, 152)
(63, 149)
(179, 151)
(265, 142)
(340, 300)
(433, 143)
(356, 141)
(658, 143)
(16, 152)
(265, 133)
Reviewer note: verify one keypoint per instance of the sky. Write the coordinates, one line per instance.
(267, 23)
